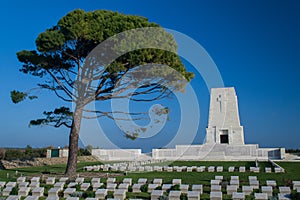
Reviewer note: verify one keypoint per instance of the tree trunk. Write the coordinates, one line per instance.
(73, 142)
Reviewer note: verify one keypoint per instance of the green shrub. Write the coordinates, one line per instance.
(14, 191)
(295, 195)
(144, 188)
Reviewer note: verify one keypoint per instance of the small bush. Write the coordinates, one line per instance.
(130, 189)
(14, 191)
(175, 187)
(295, 195)
(88, 194)
(144, 188)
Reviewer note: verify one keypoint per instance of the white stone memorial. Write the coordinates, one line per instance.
(50, 181)
(215, 195)
(120, 194)
(39, 192)
(68, 192)
(184, 188)
(174, 195)
(101, 193)
(156, 194)
(224, 139)
(193, 195)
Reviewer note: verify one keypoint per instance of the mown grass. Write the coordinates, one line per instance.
(283, 179)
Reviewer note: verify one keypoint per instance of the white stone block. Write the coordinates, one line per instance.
(50, 181)
(152, 187)
(256, 170)
(72, 198)
(215, 188)
(21, 180)
(85, 186)
(35, 179)
(231, 169)
(193, 195)
(6, 191)
(215, 182)
(13, 197)
(285, 190)
(156, 194)
(215, 195)
(261, 196)
(268, 170)
(148, 168)
(24, 191)
(157, 181)
(120, 194)
(59, 185)
(68, 192)
(176, 181)
(296, 184)
(101, 194)
(32, 198)
(283, 196)
(53, 192)
(197, 188)
(95, 180)
(96, 186)
(238, 196)
(166, 187)
(71, 184)
(220, 169)
(39, 191)
(211, 169)
(11, 184)
(123, 186)
(33, 185)
(23, 184)
(79, 180)
(52, 198)
(271, 183)
(235, 182)
(247, 190)
(142, 181)
(231, 189)
(111, 180)
(184, 188)
(278, 170)
(136, 188)
(141, 168)
(242, 169)
(170, 169)
(174, 195)
(111, 187)
(189, 169)
(63, 179)
(254, 184)
(2, 184)
(252, 178)
(158, 168)
(268, 190)
(220, 178)
(128, 181)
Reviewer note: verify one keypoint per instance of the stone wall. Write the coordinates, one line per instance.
(4, 164)
(117, 154)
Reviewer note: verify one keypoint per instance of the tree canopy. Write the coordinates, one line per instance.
(60, 59)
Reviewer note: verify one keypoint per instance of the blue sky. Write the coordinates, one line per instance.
(255, 45)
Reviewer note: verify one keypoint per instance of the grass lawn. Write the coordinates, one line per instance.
(283, 179)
